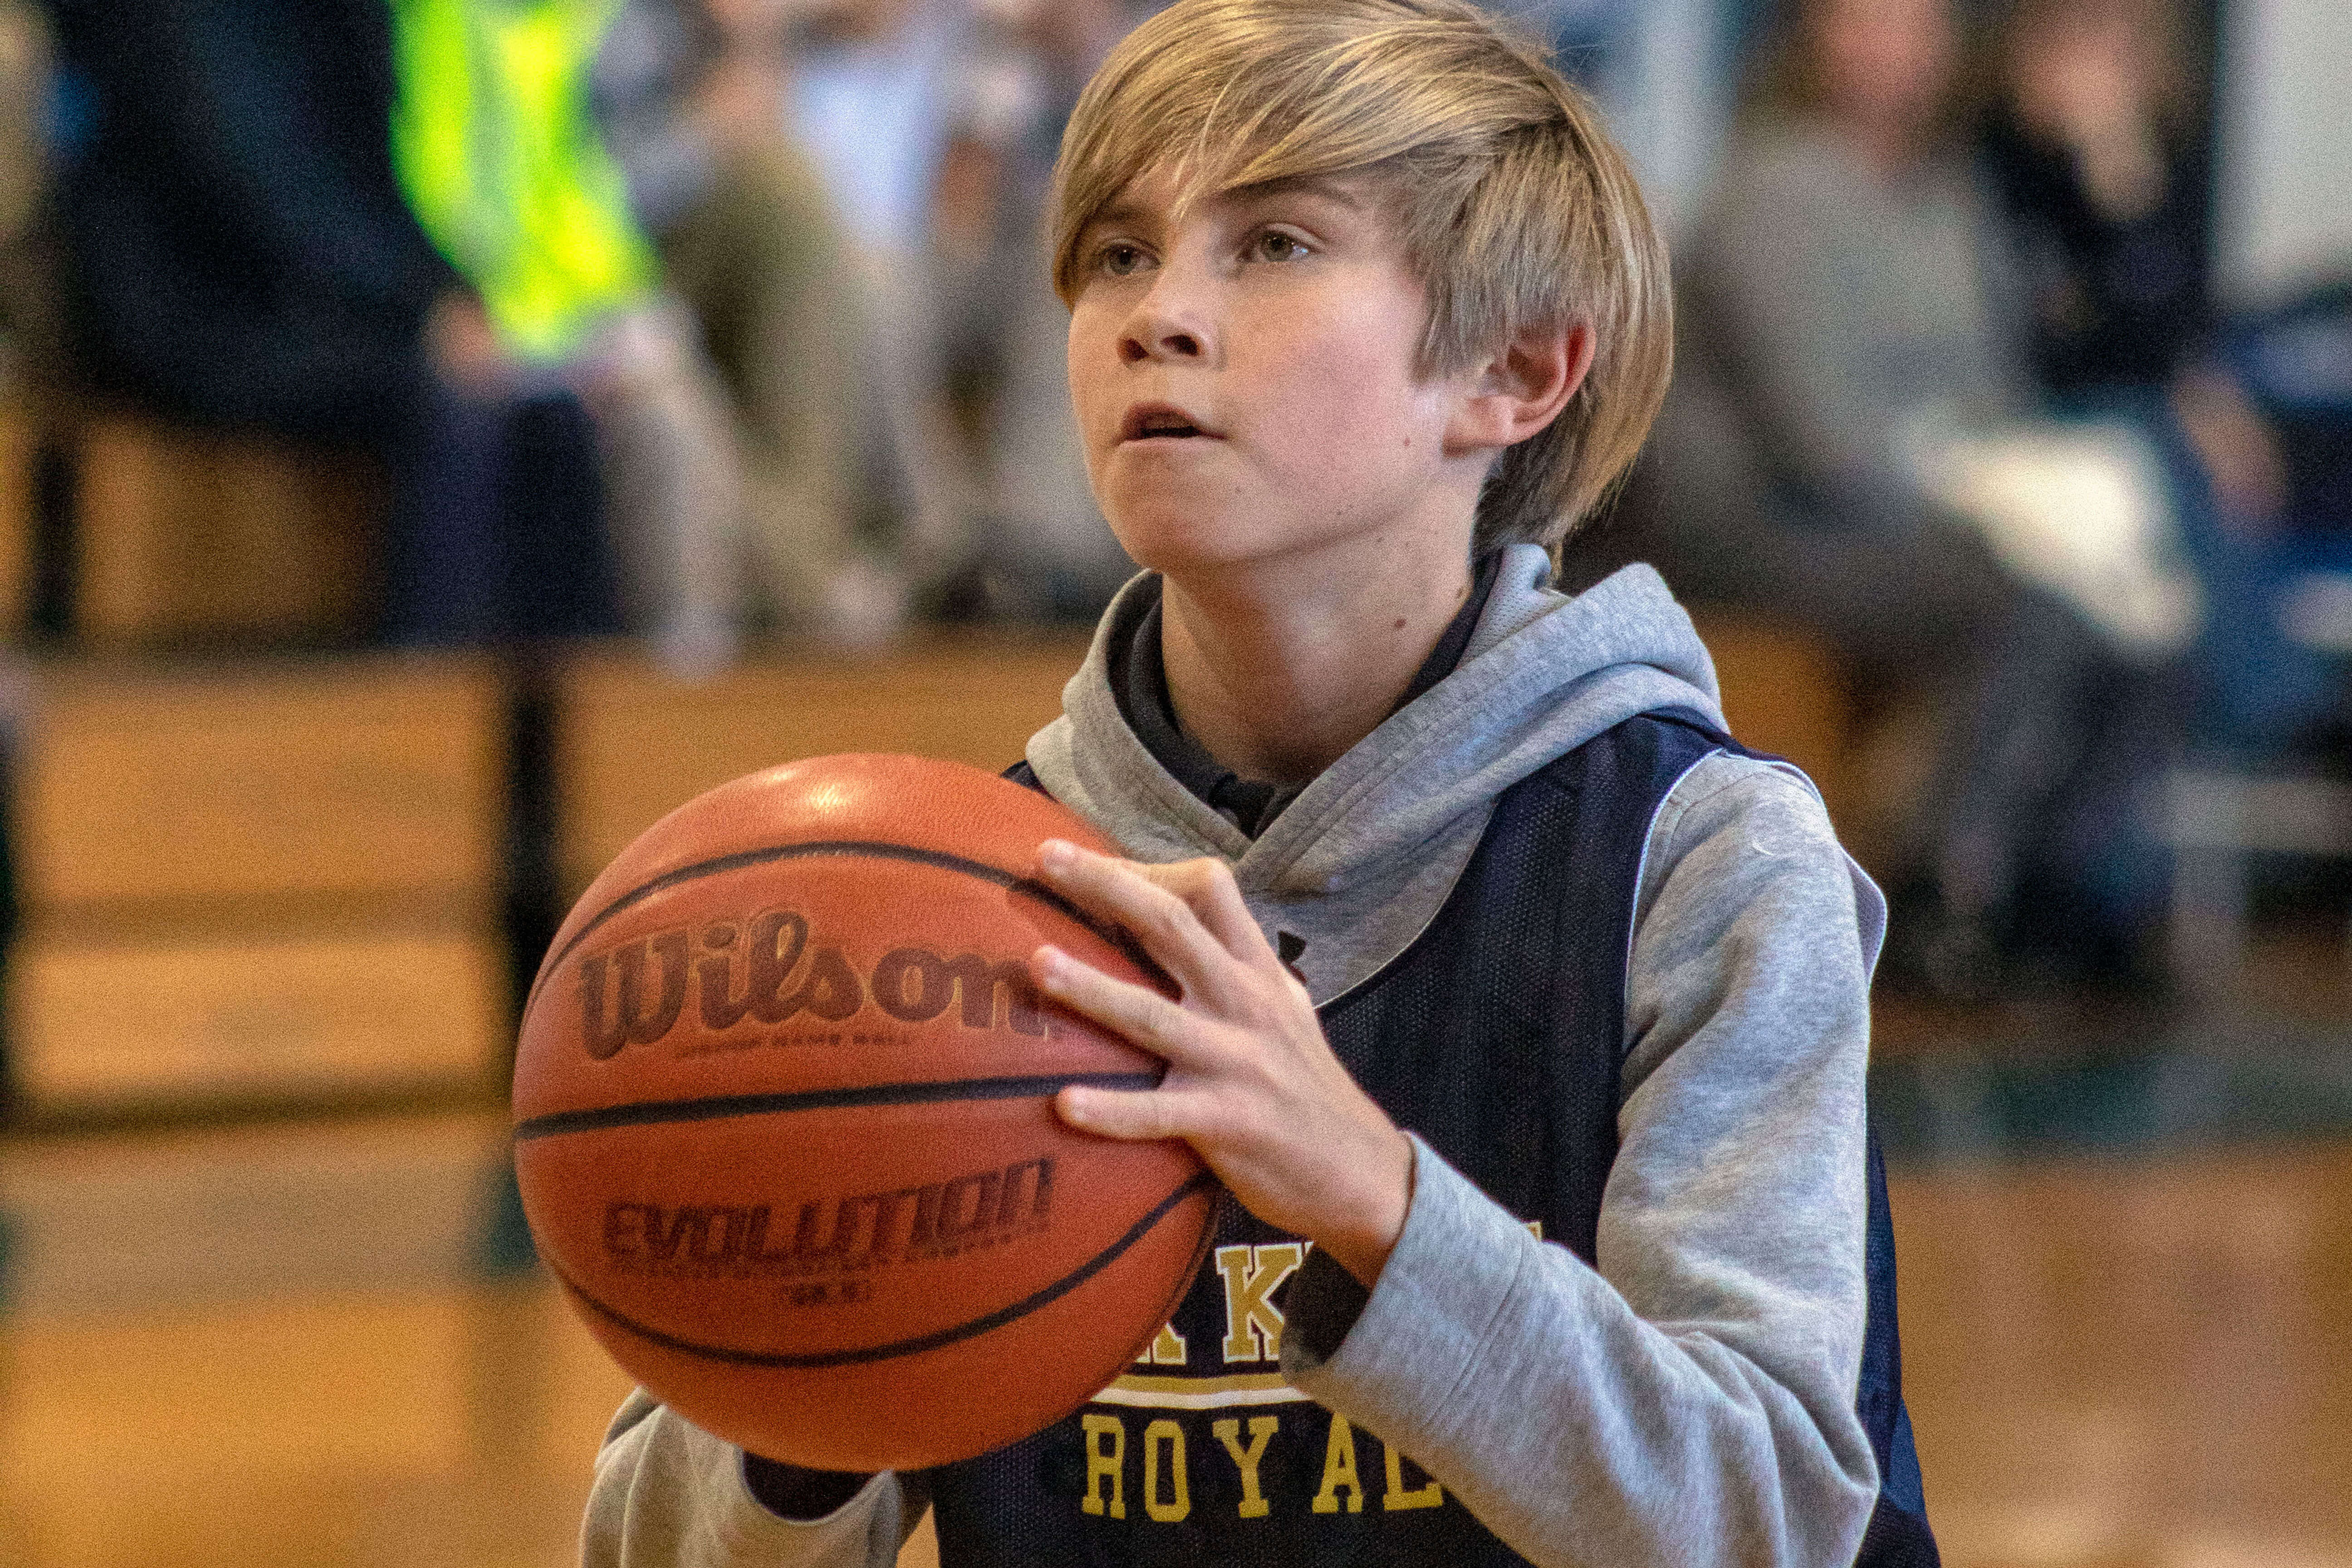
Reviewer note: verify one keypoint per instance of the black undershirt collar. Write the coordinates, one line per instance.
(1138, 683)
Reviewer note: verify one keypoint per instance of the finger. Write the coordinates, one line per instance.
(1207, 888)
(1130, 1113)
(1118, 890)
(1135, 1013)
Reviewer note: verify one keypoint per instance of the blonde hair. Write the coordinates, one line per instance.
(1516, 210)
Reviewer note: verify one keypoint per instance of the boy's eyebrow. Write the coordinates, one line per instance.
(1118, 211)
(1335, 188)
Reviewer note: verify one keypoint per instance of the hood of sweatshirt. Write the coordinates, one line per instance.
(1356, 867)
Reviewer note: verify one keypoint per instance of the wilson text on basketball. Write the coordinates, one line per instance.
(765, 970)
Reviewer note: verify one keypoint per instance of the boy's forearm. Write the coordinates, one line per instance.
(1576, 1430)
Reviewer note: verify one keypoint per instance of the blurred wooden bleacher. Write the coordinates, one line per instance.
(268, 877)
(632, 743)
(181, 536)
(170, 537)
(1782, 693)
(19, 454)
(255, 881)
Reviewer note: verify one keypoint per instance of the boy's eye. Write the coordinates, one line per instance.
(1119, 259)
(1273, 245)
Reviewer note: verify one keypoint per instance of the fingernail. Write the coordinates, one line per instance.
(1053, 964)
(1057, 854)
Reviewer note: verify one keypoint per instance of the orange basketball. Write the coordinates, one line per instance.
(784, 1129)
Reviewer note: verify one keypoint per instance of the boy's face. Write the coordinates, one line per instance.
(1245, 384)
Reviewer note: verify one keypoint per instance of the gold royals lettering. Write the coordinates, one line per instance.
(764, 971)
(1164, 1452)
(1188, 1442)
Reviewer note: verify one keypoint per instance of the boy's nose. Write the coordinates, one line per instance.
(1159, 330)
(1170, 342)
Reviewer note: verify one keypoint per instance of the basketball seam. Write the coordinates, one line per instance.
(712, 1108)
(937, 1339)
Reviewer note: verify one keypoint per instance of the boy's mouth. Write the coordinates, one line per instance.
(1158, 421)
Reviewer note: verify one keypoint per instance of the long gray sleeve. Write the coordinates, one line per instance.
(1691, 1400)
(667, 1494)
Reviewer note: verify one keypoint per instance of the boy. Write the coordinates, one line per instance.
(1483, 929)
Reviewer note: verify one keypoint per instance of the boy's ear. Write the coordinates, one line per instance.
(1521, 387)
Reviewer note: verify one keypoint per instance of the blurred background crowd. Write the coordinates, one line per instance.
(2016, 364)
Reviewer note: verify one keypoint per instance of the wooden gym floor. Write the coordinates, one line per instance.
(2127, 1306)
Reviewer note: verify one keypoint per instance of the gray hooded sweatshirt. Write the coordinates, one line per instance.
(1688, 1401)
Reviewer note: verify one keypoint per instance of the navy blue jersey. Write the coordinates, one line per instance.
(1496, 1036)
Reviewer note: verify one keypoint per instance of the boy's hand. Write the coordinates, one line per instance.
(1252, 1084)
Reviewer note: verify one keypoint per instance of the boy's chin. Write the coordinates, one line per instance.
(1190, 547)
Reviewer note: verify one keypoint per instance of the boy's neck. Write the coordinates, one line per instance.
(1279, 671)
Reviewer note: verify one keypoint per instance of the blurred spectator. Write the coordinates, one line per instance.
(1042, 542)
(689, 94)
(500, 159)
(1845, 447)
(867, 99)
(2093, 145)
(236, 249)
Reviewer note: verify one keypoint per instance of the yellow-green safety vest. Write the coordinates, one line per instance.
(498, 153)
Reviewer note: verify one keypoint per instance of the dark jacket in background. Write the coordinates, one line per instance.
(2116, 302)
(237, 251)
